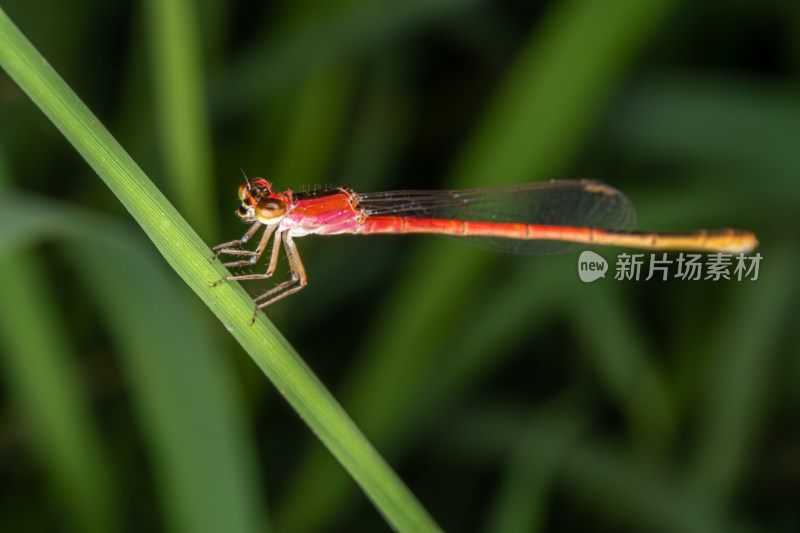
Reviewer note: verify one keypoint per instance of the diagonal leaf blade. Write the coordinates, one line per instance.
(188, 255)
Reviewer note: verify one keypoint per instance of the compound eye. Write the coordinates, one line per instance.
(269, 210)
(243, 190)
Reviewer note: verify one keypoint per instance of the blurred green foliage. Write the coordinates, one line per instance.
(509, 395)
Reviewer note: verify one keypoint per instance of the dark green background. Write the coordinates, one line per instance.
(508, 395)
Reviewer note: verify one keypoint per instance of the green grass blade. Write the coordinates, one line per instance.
(178, 82)
(44, 384)
(744, 370)
(641, 498)
(310, 142)
(554, 93)
(624, 363)
(349, 27)
(610, 483)
(532, 471)
(182, 387)
(45, 387)
(731, 121)
(188, 255)
(182, 390)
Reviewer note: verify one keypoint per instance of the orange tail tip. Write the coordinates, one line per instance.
(729, 241)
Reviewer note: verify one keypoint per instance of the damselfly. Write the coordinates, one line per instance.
(544, 217)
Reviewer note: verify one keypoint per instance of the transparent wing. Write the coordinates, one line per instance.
(576, 203)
